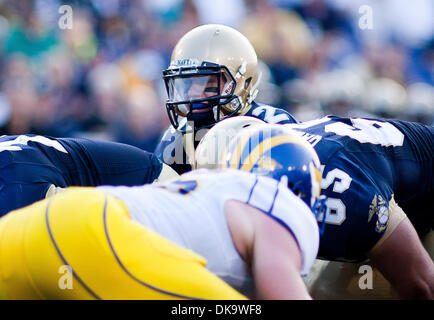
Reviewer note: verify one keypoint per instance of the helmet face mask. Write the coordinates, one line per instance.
(194, 90)
(212, 76)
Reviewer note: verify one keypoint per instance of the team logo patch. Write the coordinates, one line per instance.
(383, 217)
(378, 206)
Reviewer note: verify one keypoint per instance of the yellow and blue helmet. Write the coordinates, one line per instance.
(281, 154)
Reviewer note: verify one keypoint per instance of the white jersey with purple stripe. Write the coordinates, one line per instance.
(190, 213)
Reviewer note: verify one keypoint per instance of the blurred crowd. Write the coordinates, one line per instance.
(102, 78)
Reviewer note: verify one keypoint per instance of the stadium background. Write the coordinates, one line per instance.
(102, 79)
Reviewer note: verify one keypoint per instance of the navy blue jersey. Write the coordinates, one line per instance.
(30, 164)
(365, 162)
(171, 150)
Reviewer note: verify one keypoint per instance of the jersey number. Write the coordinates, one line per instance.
(336, 210)
(363, 131)
(270, 115)
(14, 145)
(368, 131)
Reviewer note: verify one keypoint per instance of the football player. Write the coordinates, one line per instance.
(33, 167)
(369, 166)
(212, 75)
(378, 177)
(206, 235)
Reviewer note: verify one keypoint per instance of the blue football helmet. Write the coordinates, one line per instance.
(278, 153)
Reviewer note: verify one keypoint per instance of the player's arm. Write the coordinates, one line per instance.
(403, 260)
(276, 262)
(270, 250)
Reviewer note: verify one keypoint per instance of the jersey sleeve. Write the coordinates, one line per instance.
(281, 204)
(414, 167)
(271, 114)
(110, 163)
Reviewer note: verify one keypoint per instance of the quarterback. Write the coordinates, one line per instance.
(212, 75)
(206, 235)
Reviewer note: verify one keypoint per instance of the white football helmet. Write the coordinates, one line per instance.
(210, 150)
